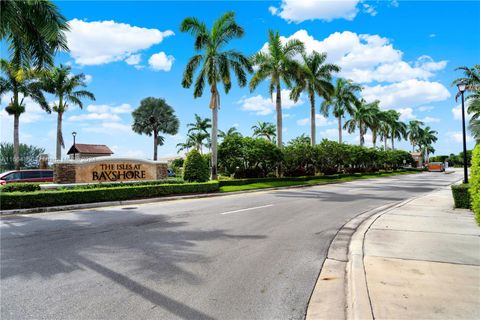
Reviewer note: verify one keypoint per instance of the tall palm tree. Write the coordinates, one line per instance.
(200, 124)
(426, 139)
(375, 120)
(264, 129)
(277, 65)
(391, 127)
(22, 83)
(215, 63)
(152, 117)
(231, 132)
(194, 140)
(342, 101)
(66, 87)
(362, 115)
(471, 78)
(34, 31)
(415, 132)
(315, 80)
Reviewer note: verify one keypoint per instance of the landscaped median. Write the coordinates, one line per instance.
(28, 196)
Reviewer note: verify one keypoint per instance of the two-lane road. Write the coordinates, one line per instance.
(248, 256)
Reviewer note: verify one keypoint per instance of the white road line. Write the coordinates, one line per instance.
(247, 209)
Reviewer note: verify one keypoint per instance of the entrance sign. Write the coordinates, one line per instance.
(108, 169)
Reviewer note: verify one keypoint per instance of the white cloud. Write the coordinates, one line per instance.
(369, 9)
(109, 128)
(430, 120)
(94, 116)
(105, 108)
(406, 93)
(457, 136)
(33, 111)
(320, 121)
(301, 10)
(457, 112)
(100, 42)
(406, 114)
(265, 106)
(426, 108)
(134, 59)
(160, 61)
(366, 58)
(88, 78)
(432, 35)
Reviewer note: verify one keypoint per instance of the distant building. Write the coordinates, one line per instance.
(417, 156)
(85, 151)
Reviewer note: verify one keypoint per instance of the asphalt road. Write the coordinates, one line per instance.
(248, 256)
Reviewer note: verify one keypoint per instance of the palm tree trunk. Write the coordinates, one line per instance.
(362, 138)
(214, 107)
(312, 119)
(16, 141)
(385, 138)
(339, 129)
(59, 135)
(155, 144)
(393, 143)
(374, 138)
(279, 116)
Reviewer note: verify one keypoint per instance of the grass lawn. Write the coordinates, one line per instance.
(313, 181)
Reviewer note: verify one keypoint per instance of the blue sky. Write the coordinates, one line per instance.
(402, 52)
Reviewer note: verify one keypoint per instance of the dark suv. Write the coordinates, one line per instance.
(34, 175)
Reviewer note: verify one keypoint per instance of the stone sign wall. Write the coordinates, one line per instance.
(107, 169)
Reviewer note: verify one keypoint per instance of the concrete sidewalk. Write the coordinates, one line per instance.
(416, 260)
(422, 261)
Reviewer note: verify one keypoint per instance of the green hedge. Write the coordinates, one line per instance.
(475, 183)
(21, 187)
(461, 196)
(20, 200)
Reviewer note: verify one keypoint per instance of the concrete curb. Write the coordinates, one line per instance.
(159, 199)
(341, 290)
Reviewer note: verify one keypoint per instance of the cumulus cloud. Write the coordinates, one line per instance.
(261, 105)
(88, 78)
(103, 112)
(406, 93)
(100, 42)
(94, 116)
(33, 111)
(365, 58)
(134, 59)
(430, 119)
(406, 114)
(301, 10)
(161, 62)
(457, 112)
(109, 128)
(426, 108)
(105, 108)
(320, 121)
(457, 136)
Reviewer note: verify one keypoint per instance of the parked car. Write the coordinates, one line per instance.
(34, 175)
(171, 173)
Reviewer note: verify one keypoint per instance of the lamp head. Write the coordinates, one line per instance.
(462, 86)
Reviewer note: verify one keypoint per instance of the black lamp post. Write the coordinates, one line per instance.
(461, 87)
(74, 134)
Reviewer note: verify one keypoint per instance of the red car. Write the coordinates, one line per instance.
(34, 175)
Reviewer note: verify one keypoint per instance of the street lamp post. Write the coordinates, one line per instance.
(461, 87)
(74, 134)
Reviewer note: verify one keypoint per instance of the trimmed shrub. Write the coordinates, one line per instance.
(461, 196)
(195, 167)
(475, 183)
(20, 200)
(20, 187)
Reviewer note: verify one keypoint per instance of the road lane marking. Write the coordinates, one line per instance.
(247, 209)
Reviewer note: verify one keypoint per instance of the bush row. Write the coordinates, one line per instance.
(21, 187)
(475, 183)
(245, 157)
(461, 196)
(20, 200)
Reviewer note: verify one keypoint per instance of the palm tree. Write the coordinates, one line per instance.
(375, 120)
(231, 132)
(152, 117)
(194, 140)
(342, 101)
(390, 127)
(277, 65)
(264, 129)
(415, 132)
(34, 31)
(200, 125)
(60, 82)
(362, 116)
(21, 83)
(471, 78)
(215, 65)
(426, 139)
(315, 79)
